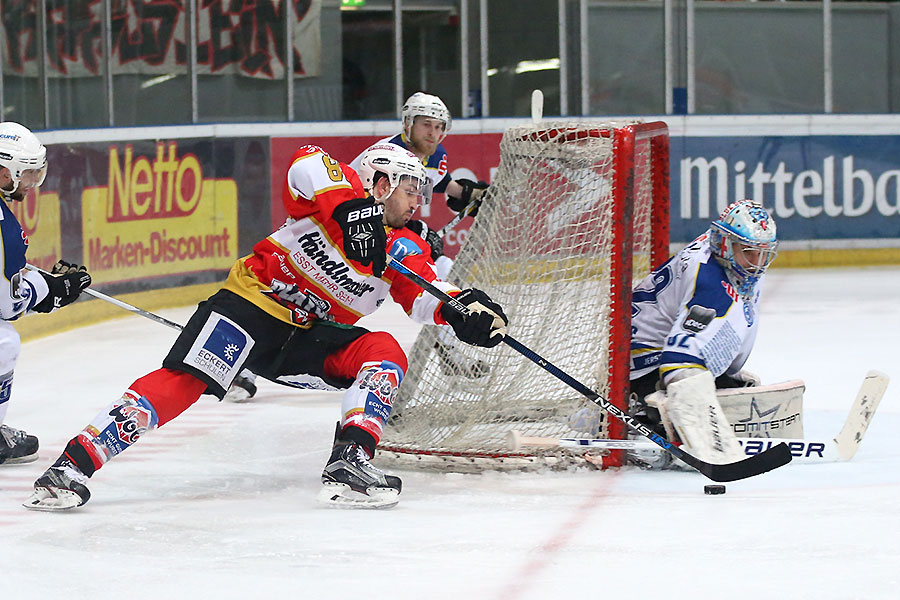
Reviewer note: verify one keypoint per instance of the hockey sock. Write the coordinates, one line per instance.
(111, 432)
(170, 391)
(367, 404)
(351, 433)
(120, 425)
(5, 390)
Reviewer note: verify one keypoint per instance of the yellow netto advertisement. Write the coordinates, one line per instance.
(38, 214)
(156, 216)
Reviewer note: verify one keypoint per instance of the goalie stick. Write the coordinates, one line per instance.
(841, 448)
(766, 460)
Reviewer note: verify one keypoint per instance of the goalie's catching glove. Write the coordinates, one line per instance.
(485, 325)
(66, 281)
(742, 378)
(364, 236)
(472, 193)
(430, 236)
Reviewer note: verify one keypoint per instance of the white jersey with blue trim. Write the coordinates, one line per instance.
(687, 315)
(435, 165)
(20, 289)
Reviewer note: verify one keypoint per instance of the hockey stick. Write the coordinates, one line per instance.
(147, 314)
(767, 460)
(455, 220)
(119, 303)
(841, 448)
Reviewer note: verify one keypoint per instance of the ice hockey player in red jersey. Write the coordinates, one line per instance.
(287, 311)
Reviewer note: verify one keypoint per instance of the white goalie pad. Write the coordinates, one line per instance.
(699, 420)
(765, 411)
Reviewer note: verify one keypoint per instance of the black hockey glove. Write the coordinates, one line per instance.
(484, 326)
(471, 192)
(429, 235)
(364, 236)
(66, 281)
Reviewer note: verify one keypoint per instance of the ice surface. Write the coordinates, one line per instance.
(220, 503)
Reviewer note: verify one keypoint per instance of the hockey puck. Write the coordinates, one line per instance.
(713, 490)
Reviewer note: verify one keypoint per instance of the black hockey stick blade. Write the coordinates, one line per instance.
(774, 457)
(758, 464)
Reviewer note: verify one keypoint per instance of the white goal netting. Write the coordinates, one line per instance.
(546, 246)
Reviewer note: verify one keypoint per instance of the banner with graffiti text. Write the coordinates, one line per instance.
(148, 37)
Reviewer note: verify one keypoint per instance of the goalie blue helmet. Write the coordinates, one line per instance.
(744, 240)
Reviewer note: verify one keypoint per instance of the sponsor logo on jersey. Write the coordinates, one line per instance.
(698, 318)
(729, 289)
(748, 313)
(314, 248)
(403, 247)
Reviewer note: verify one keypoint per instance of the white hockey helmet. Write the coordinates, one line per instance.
(421, 104)
(24, 155)
(399, 165)
(745, 241)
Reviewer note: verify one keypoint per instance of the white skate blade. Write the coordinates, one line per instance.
(340, 495)
(21, 460)
(237, 394)
(44, 499)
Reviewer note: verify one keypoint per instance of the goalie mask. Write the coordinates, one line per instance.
(421, 104)
(399, 166)
(24, 156)
(744, 240)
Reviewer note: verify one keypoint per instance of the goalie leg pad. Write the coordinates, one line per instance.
(765, 411)
(699, 420)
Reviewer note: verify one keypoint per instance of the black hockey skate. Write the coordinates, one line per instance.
(16, 446)
(453, 362)
(242, 388)
(62, 487)
(350, 481)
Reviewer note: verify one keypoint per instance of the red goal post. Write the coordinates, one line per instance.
(577, 213)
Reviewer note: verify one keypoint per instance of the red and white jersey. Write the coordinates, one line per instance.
(300, 272)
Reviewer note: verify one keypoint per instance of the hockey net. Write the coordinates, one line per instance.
(576, 214)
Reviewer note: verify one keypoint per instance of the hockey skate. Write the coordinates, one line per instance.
(16, 446)
(453, 362)
(242, 388)
(350, 481)
(62, 487)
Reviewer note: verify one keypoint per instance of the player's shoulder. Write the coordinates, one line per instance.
(712, 288)
(404, 242)
(307, 151)
(395, 139)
